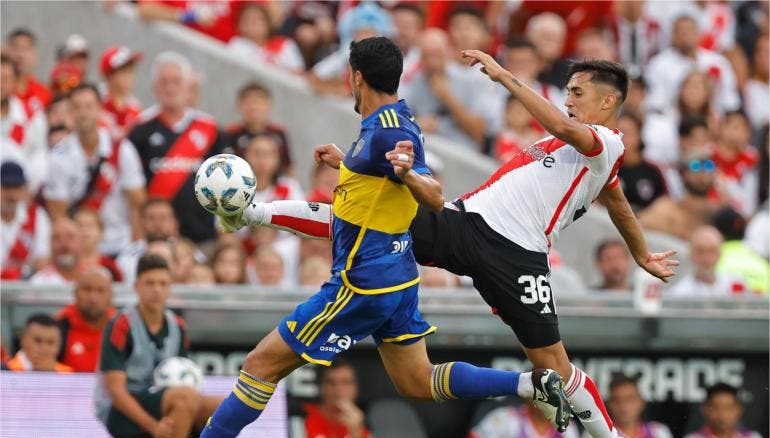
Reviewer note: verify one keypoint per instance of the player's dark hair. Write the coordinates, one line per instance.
(603, 72)
(520, 42)
(380, 62)
(720, 388)
(5, 59)
(690, 124)
(149, 262)
(21, 32)
(43, 319)
(410, 7)
(86, 86)
(253, 87)
(620, 380)
(604, 244)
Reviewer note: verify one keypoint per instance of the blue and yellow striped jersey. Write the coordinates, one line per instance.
(373, 208)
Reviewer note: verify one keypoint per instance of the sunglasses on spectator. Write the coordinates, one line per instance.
(701, 166)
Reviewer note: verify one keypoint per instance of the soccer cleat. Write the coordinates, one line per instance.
(550, 398)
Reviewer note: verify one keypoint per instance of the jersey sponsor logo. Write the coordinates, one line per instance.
(546, 309)
(156, 139)
(536, 152)
(337, 344)
(198, 139)
(175, 164)
(399, 246)
(313, 206)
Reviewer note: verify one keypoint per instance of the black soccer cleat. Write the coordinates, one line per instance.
(550, 398)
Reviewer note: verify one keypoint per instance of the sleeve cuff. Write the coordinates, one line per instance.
(599, 148)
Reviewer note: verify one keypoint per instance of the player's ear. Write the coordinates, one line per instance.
(358, 78)
(609, 101)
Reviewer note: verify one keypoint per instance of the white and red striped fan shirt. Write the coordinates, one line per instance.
(546, 187)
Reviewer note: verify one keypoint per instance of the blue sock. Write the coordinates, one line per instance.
(240, 408)
(462, 380)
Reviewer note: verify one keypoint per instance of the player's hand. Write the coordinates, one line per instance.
(401, 157)
(489, 66)
(164, 429)
(659, 265)
(328, 154)
(351, 416)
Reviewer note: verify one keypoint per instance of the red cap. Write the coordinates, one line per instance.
(116, 57)
(65, 75)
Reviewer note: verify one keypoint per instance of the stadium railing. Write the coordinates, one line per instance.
(218, 315)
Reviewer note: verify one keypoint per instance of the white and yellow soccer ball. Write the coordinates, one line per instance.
(177, 371)
(225, 184)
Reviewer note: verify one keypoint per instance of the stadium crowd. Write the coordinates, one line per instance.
(92, 179)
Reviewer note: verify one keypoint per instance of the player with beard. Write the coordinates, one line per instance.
(500, 233)
(373, 288)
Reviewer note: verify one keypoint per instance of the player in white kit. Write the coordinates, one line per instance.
(500, 233)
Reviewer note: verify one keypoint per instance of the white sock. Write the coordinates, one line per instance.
(588, 406)
(525, 389)
(258, 213)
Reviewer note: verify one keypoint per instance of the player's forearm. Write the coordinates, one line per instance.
(426, 190)
(625, 221)
(312, 220)
(554, 121)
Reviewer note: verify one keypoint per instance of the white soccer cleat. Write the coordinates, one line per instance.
(550, 398)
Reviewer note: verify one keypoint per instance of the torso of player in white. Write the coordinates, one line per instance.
(547, 187)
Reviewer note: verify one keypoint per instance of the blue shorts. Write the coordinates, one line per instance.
(336, 318)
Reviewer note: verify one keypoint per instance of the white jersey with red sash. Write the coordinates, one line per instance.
(70, 172)
(28, 137)
(170, 156)
(25, 239)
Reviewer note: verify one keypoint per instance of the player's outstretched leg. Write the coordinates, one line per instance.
(585, 399)
(416, 378)
(264, 367)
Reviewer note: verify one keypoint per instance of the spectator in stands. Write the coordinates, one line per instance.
(89, 169)
(186, 255)
(704, 280)
(22, 48)
(336, 414)
(694, 137)
(626, 407)
(642, 181)
(40, 343)
(660, 130)
(229, 264)
(548, 32)
(736, 162)
(614, 265)
(81, 323)
(25, 227)
(668, 69)
(314, 271)
(592, 44)
(60, 122)
(755, 91)
(737, 257)
(637, 93)
(91, 232)
(120, 109)
(256, 43)
(269, 267)
(438, 278)
(519, 133)
(254, 106)
(312, 26)
(330, 75)
(635, 35)
(524, 421)
(440, 95)
(722, 412)
(468, 30)
(681, 216)
(65, 75)
(157, 222)
(133, 344)
(65, 248)
(172, 141)
(324, 181)
(23, 132)
(210, 17)
(409, 22)
(76, 51)
(264, 155)
(201, 274)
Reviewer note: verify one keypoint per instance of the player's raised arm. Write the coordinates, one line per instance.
(622, 216)
(425, 189)
(554, 121)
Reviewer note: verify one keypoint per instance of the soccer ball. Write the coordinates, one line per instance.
(177, 371)
(224, 184)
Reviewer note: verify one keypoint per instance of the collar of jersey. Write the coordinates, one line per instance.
(398, 106)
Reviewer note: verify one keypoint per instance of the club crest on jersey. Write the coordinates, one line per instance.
(156, 139)
(198, 139)
(536, 152)
(358, 147)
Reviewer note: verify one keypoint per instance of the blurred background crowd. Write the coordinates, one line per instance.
(92, 176)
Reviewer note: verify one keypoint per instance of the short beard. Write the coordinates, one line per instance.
(695, 190)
